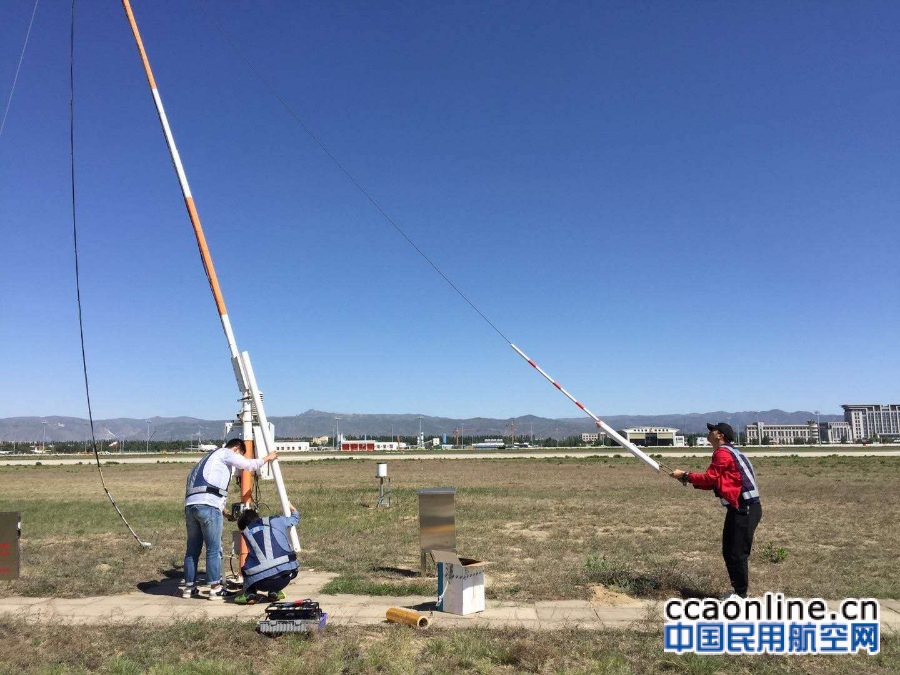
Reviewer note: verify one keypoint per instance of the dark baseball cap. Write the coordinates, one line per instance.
(724, 427)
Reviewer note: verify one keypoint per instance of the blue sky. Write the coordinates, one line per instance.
(671, 207)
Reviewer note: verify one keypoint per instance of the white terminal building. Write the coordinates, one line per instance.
(781, 434)
(873, 420)
(291, 446)
(862, 422)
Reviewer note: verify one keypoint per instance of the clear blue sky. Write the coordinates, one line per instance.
(671, 207)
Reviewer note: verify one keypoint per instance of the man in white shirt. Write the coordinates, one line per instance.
(206, 495)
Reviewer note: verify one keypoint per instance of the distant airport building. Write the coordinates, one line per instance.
(781, 434)
(291, 446)
(861, 422)
(651, 437)
(489, 444)
(873, 420)
(593, 438)
(835, 432)
(368, 446)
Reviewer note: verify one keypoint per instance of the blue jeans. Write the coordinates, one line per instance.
(204, 526)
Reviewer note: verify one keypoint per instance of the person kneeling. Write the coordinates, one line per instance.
(271, 563)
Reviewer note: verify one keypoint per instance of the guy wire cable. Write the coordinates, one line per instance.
(653, 464)
(87, 389)
(18, 68)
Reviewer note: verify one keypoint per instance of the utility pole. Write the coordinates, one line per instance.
(337, 432)
(148, 437)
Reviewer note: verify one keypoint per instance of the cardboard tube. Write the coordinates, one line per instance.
(408, 616)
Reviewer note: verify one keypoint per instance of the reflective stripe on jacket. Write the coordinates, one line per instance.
(749, 488)
(198, 482)
(269, 552)
(732, 484)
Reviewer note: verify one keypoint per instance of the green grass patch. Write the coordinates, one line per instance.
(357, 585)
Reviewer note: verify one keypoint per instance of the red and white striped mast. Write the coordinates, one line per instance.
(252, 413)
(612, 433)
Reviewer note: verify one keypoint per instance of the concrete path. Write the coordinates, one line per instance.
(161, 603)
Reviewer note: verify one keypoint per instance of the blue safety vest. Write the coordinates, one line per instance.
(749, 488)
(267, 555)
(197, 482)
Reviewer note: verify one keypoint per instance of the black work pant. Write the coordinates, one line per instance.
(273, 584)
(737, 540)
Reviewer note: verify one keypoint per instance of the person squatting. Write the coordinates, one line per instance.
(206, 494)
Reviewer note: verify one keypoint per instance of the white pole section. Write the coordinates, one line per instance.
(612, 433)
(270, 446)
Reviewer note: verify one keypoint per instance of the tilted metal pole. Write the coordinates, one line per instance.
(241, 363)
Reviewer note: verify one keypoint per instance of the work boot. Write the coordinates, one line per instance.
(275, 596)
(246, 599)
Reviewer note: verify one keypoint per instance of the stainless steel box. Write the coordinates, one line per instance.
(437, 521)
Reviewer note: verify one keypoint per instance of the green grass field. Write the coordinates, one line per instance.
(554, 529)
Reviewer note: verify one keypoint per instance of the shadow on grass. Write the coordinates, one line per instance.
(397, 571)
(168, 585)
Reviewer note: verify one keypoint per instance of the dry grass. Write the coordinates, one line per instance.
(232, 648)
(552, 527)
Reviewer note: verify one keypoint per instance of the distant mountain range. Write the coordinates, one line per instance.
(318, 423)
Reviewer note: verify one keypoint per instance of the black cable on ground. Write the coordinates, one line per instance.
(87, 389)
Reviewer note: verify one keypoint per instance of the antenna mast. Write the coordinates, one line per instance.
(252, 416)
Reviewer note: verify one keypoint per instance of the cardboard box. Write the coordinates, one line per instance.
(461, 580)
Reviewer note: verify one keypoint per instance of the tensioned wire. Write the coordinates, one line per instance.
(274, 92)
(18, 68)
(87, 388)
(293, 114)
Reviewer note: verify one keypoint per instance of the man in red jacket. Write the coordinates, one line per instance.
(732, 478)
